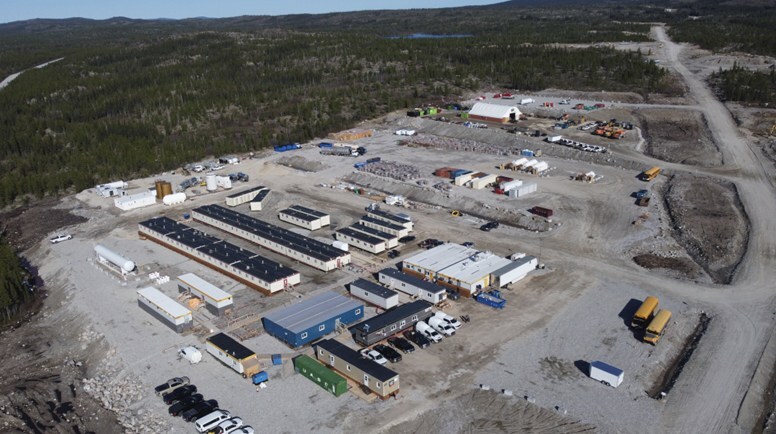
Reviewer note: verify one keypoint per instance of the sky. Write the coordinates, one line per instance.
(16, 10)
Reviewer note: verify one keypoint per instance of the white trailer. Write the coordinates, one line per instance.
(375, 294)
(526, 101)
(218, 301)
(233, 354)
(606, 374)
(511, 185)
(165, 309)
(412, 285)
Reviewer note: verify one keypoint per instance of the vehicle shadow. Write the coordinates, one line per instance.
(626, 314)
(583, 366)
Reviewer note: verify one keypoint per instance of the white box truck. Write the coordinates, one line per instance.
(526, 101)
(606, 374)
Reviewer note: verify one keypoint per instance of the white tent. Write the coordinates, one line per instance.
(498, 112)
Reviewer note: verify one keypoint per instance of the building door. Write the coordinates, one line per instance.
(366, 380)
(512, 117)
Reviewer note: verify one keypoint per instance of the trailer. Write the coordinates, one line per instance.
(491, 298)
(606, 374)
(233, 354)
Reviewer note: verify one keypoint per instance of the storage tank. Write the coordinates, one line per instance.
(158, 186)
(166, 188)
(210, 182)
(114, 258)
(174, 199)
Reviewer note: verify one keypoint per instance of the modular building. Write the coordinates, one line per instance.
(463, 178)
(111, 189)
(494, 112)
(257, 272)
(383, 381)
(233, 354)
(511, 185)
(257, 203)
(299, 218)
(324, 218)
(391, 241)
(217, 300)
(483, 181)
(516, 270)
(391, 218)
(298, 247)
(244, 196)
(165, 309)
(391, 322)
(134, 201)
(360, 240)
(375, 294)
(384, 226)
(472, 274)
(312, 318)
(523, 190)
(321, 375)
(412, 285)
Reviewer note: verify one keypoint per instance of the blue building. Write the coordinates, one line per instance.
(312, 318)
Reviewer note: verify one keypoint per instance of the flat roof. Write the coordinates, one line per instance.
(389, 216)
(391, 316)
(163, 302)
(374, 232)
(441, 257)
(382, 223)
(360, 236)
(412, 280)
(312, 311)
(513, 265)
(262, 194)
(276, 234)
(208, 289)
(352, 357)
(246, 191)
(378, 290)
(230, 346)
(310, 211)
(298, 214)
(475, 267)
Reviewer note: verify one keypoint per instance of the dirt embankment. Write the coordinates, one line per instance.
(25, 226)
(487, 411)
(708, 220)
(678, 136)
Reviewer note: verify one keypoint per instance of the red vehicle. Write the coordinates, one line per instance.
(498, 95)
(507, 96)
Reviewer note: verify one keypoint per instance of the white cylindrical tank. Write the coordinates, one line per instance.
(115, 184)
(114, 258)
(210, 182)
(174, 199)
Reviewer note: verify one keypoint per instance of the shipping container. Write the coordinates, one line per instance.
(527, 153)
(321, 375)
(325, 145)
(541, 211)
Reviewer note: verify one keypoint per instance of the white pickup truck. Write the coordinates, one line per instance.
(427, 331)
(441, 326)
(450, 320)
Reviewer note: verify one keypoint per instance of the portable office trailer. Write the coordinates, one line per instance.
(257, 203)
(300, 219)
(360, 240)
(391, 218)
(233, 354)
(321, 375)
(382, 225)
(412, 285)
(463, 178)
(483, 181)
(312, 318)
(390, 322)
(323, 217)
(391, 241)
(515, 271)
(523, 190)
(382, 381)
(134, 201)
(375, 294)
(244, 196)
(511, 185)
(217, 301)
(165, 309)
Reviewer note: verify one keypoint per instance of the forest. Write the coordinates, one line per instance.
(12, 290)
(746, 86)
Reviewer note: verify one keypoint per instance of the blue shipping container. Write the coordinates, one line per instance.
(260, 377)
(359, 165)
(277, 359)
(373, 160)
(459, 172)
(527, 153)
(325, 145)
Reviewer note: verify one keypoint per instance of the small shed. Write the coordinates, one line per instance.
(375, 294)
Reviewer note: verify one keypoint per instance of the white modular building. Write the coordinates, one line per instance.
(257, 203)
(134, 201)
(217, 301)
(391, 218)
(111, 189)
(375, 294)
(165, 309)
(300, 219)
(515, 271)
(483, 181)
(511, 185)
(391, 241)
(525, 189)
(463, 178)
(324, 218)
(384, 226)
(243, 196)
(412, 285)
(360, 240)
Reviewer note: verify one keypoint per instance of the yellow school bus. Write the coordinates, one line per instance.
(646, 312)
(650, 174)
(657, 327)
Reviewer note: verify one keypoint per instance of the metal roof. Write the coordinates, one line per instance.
(378, 290)
(382, 223)
(262, 194)
(298, 214)
(412, 280)
(391, 316)
(360, 236)
(351, 357)
(312, 311)
(514, 265)
(284, 237)
(208, 289)
(247, 191)
(163, 302)
(441, 257)
(389, 216)
(310, 211)
(374, 232)
(493, 110)
(230, 346)
(475, 268)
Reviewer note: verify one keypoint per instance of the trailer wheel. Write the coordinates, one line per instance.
(244, 375)
(606, 383)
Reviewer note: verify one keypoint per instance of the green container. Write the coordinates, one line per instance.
(320, 375)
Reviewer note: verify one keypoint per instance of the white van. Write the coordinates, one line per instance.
(441, 326)
(211, 420)
(448, 319)
(428, 332)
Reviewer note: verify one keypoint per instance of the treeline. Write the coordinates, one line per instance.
(12, 290)
(744, 85)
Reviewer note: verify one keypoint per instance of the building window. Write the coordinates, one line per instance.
(414, 317)
(304, 335)
(366, 293)
(379, 386)
(393, 327)
(331, 360)
(358, 311)
(401, 324)
(390, 383)
(322, 327)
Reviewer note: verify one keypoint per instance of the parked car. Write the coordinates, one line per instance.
(468, 244)
(211, 420)
(452, 294)
(199, 410)
(373, 355)
(402, 344)
(488, 226)
(393, 253)
(389, 353)
(171, 384)
(441, 326)
(178, 394)
(427, 331)
(451, 320)
(185, 404)
(228, 426)
(61, 237)
(247, 429)
(407, 239)
(417, 338)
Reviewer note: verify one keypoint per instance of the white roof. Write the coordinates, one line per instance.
(493, 110)
(476, 267)
(441, 257)
(163, 302)
(206, 288)
(146, 194)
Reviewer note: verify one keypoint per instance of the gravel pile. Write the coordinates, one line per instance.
(390, 169)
